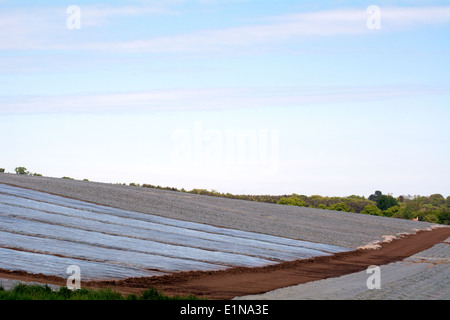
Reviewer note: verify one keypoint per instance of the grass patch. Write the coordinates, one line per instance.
(44, 292)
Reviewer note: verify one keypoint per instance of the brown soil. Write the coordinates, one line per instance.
(234, 282)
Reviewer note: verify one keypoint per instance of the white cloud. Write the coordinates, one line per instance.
(285, 28)
(99, 15)
(212, 98)
(44, 29)
(415, 17)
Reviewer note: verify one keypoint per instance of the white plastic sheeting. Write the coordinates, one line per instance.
(42, 233)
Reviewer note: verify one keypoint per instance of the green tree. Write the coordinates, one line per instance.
(372, 210)
(444, 217)
(375, 196)
(437, 200)
(385, 202)
(21, 170)
(2, 170)
(408, 212)
(357, 205)
(429, 216)
(392, 211)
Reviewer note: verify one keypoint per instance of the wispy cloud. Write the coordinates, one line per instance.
(44, 29)
(206, 99)
(99, 15)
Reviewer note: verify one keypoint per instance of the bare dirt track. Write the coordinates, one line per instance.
(235, 282)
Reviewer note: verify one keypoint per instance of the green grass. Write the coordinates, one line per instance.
(41, 292)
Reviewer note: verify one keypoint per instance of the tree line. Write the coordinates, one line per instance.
(434, 208)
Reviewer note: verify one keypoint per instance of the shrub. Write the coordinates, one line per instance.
(2, 170)
(21, 170)
(433, 218)
(341, 206)
(407, 213)
(391, 211)
(292, 201)
(444, 217)
(372, 210)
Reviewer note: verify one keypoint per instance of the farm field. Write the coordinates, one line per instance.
(342, 229)
(136, 238)
(41, 233)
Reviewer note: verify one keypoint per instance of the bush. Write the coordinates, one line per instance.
(392, 211)
(292, 201)
(407, 213)
(341, 206)
(152, 294)
(372, 210)
(433, 218)
(21, 170)
(2, 170)
(444, 217)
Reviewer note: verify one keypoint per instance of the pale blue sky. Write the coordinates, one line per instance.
(164, 92)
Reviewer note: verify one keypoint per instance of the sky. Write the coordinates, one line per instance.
(334, 98)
